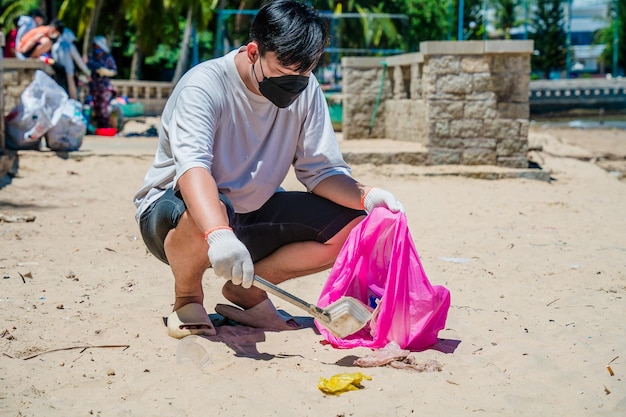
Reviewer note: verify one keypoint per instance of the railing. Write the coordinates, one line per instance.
(143, 90)
(561, 95)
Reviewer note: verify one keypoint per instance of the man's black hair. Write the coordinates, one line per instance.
(293, 31)
(37, 13)
(59, 25)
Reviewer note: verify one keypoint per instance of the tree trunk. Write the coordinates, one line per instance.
(49, 8)
(135, 64)
(92, 27)
(181, 65)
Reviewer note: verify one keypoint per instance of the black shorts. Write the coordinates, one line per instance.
(287, 217)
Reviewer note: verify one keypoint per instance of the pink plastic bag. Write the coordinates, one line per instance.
(379, 266)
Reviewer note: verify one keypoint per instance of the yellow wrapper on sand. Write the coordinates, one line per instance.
(340, 383)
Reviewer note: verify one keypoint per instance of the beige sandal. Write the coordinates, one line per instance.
(190, 315)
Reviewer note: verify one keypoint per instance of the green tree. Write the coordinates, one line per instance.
(606, 36)
(198, 14)
(428, 19)
(10, 9)
(547, 30)
(505, 16)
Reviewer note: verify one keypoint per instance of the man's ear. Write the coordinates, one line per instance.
(252, 51)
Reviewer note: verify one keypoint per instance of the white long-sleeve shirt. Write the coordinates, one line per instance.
(212, 120)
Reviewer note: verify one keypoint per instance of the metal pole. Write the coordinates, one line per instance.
(450, 19)
(568, 43)
(615, 37)
(526, 13)
(459, 35)
(485, 20)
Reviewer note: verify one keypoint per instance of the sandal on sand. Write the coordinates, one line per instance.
(190, 315)
(263, 315)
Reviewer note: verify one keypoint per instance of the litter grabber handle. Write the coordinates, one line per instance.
(312, 309)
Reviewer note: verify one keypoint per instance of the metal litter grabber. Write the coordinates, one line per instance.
(342, 318)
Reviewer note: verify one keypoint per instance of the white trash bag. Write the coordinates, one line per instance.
(68, 133)
(40, 107)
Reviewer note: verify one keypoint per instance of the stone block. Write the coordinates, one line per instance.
(480, 110)
(488, 96)
(518, 65)
(459, 84)
(487, 143)
(466, 128)
(482, 83)
(520, 88)
(518, 162)
(438, 156)
(513, 146)
(429, 85)
(363, 82)
(501, 128)
(441, 65)
(440, 129)
(14, 90)
(445, 109)
(475, 64)
(429, 48)
(498, 64)
(524, 47)
(446, 143)
(9, 77)
(478, 156)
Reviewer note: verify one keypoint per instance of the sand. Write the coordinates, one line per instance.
(536, 272)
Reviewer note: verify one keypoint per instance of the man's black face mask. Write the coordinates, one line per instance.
(282, 91)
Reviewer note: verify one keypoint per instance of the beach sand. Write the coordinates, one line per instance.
(536, 272)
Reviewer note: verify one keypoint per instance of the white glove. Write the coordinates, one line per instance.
(377, 197)
(230, 258)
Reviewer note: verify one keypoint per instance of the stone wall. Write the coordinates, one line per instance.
(16, 75)
(466, 101)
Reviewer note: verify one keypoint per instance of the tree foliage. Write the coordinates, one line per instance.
(547, 30)
(505, 16)
(428, 19)
(606, 36)
(153, 38)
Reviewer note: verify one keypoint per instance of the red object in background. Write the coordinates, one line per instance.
(106, 131)
(9, 49)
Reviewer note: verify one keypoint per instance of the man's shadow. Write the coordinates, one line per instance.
(243, 339)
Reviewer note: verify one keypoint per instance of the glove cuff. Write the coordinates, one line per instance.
(368, 199)
(220, 234)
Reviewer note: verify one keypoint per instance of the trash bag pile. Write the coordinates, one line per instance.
(45, 111)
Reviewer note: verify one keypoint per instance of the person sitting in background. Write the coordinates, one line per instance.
(37, 42)
(25, 24)
(103, 67)
(66, 59)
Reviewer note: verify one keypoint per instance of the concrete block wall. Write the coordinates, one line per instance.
(16, 75)
(466, 101)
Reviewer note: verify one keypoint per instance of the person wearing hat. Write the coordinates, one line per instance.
(102, 66)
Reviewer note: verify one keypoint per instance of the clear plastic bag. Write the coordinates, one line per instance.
(68, 133)
(379, 266)
(40, 107)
